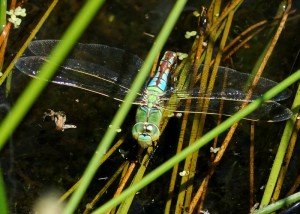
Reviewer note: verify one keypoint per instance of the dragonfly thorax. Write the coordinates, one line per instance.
(149, 113)
(145, 133)
(151, 97)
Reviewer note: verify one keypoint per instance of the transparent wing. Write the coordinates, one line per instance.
(109, 71)
(230, 90)
(97, 68)
(269, 111)
(230, 84)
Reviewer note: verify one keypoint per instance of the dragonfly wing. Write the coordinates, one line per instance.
(80, 74)
(230, 91)
(269, 111)
(232, 85)
(230, 81)
(114, 59)
(89, 67)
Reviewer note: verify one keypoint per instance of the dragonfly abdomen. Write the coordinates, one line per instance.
(167, 65)
(149, 113)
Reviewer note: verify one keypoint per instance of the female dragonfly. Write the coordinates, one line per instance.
(109, 71)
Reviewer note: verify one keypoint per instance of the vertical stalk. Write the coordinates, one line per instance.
(3, 201)
(3, 7)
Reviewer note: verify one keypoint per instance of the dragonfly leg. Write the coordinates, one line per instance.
(140, 155)
(151, 154)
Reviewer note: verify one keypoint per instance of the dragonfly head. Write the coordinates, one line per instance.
(145, 133)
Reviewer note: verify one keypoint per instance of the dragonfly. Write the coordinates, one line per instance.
(110, 71)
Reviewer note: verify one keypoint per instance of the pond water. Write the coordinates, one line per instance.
(38, 158)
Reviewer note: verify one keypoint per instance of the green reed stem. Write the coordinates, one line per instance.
(58, 54)
(3, 201)
(125, 107)
(3, 8)
(279, 204)
(284, 142)
(200, 143)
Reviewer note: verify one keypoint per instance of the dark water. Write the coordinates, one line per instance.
(37, 158)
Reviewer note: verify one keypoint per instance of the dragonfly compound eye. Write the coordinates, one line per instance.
(145, 133)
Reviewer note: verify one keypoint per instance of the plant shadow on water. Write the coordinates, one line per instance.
(39, 158)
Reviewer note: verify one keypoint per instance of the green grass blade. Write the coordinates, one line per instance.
(284, 142)
(3, 8)
(3, 201)
(125, 107)
(58, 54)
(201, 142)
(279, 204)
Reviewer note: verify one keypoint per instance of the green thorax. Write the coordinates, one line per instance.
(151, 111)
